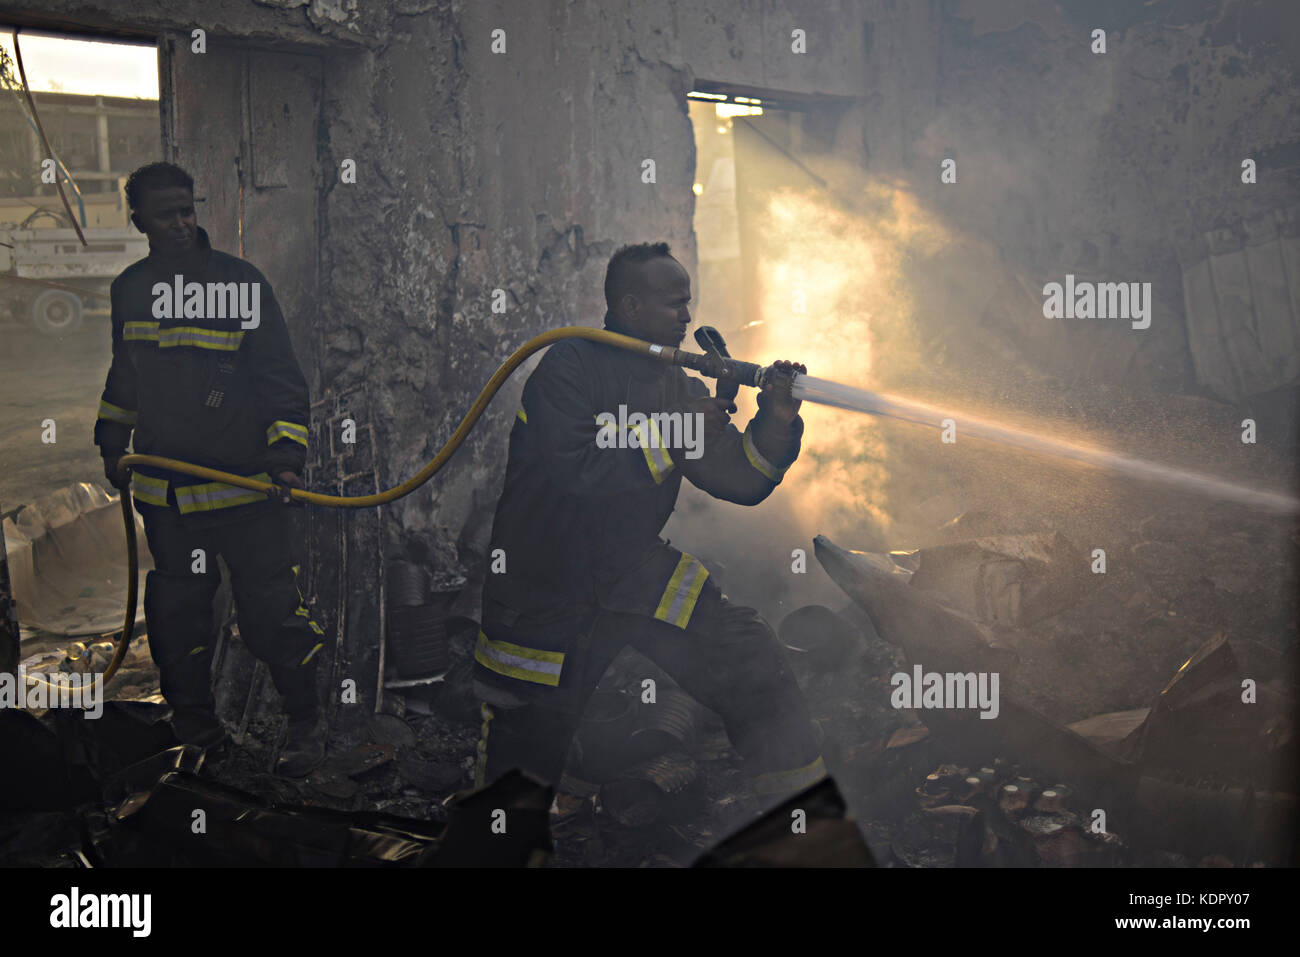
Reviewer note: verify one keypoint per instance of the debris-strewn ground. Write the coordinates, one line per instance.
(642, 790)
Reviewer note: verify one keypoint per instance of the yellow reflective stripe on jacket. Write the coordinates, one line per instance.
(516, 661)
(757, 460)
(279, 429)
(683, 591)
(214, 495)
(200, 338)
(150, 490)
(140, 331)
(656, 456)
(784, 782)
(522, 416)
(196, 336)
(115, 413)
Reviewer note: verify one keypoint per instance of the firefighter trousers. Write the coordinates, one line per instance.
(274, 622)
(728, 659)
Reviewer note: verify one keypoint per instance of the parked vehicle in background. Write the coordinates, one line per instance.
(56, 256)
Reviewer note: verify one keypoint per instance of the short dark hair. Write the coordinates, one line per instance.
(621, 269)
(155, 176)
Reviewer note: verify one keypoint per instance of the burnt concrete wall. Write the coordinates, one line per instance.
(521, 171)
(479, 171)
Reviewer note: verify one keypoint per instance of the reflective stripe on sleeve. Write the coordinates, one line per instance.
(516, 661)
(140, 331)
(215, 495)
(683, 591)
(756, 459)
(279, 429)
(522, 416)
(150, 490)
(656, 456)
(115, 413)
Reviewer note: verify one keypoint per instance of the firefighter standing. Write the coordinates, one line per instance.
(580, 570)
(203, 371)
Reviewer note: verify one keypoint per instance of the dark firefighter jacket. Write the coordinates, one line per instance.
(577, 526)
(202, 389)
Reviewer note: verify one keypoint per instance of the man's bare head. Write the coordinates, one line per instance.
(648, 292)
(161, 198)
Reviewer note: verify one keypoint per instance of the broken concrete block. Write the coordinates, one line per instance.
(1199, 722)
(1115, 732)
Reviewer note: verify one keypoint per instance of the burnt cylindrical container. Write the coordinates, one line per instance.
(817, 639)
(408, 585)
(676, 721)
(418, 646)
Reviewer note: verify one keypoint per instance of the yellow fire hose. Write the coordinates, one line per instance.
(715, 366)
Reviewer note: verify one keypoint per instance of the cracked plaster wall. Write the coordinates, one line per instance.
(522, 172)
(478, 172)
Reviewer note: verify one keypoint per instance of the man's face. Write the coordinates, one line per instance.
(660, 313)
(167, 217)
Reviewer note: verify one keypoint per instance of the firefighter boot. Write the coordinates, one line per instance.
(304, 747)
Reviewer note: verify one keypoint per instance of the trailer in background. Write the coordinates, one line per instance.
(57, 256)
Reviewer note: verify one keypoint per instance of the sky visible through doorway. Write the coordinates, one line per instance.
(56, 65)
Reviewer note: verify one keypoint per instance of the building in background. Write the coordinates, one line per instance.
(99, 139)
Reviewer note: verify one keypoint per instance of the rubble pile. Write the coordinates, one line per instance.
(1204, 772)
(1077, 766)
